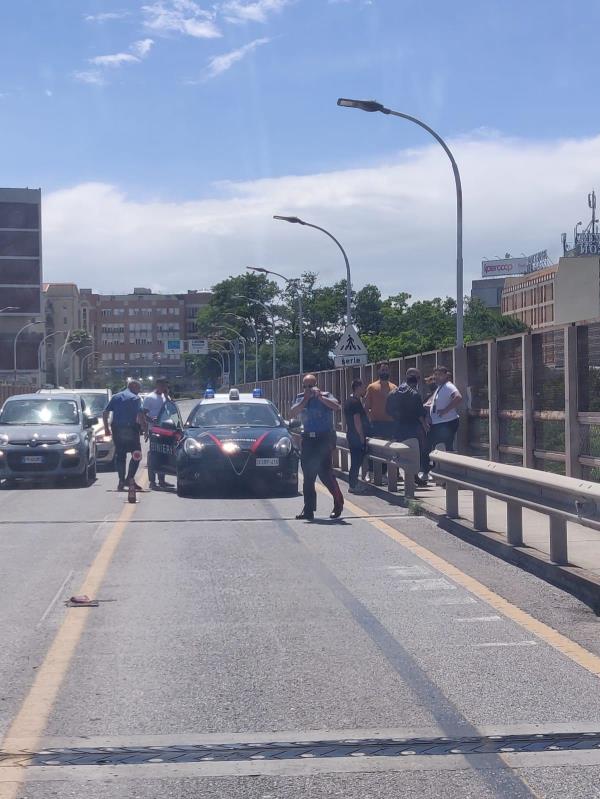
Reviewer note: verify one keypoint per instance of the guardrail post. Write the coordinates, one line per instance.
(572, 432)
(558, 540)
(527, 384)
(514, 524)
(493, 420)
(479, 510)
(392, 471)
(377, 473)
(409, 483)
(452, 501)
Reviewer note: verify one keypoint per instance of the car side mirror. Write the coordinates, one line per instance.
(168, 424)
(90, 421)
(294, 424)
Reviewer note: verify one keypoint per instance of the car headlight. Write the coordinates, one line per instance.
(230, 447)
(102, 439)
(68, 438)
(283, 446)
(192, 447)
(3, 439)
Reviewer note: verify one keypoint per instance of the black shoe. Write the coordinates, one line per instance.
(121, 485)
(154, 487)
(164, 484)
(309, 515)
(421, 483)
(336, 512)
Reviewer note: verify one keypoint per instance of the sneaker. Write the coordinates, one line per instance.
(164, 484)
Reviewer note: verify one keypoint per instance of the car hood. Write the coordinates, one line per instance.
(44, 434)
(245, 437)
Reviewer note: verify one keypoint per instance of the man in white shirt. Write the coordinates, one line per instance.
(442, 408)
(153, 405)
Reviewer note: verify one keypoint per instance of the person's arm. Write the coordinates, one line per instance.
(359, 427)
(105, 419)
(300, 405)
(455, 400)
(328, 401)
(390, 405)
(368, 402)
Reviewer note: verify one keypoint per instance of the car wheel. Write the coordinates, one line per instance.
(184, 489)
(86, 479)
(9, 484)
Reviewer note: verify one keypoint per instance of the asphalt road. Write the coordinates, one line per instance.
(225, 621)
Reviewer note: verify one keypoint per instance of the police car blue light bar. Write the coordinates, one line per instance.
(209, 393)
(257, 393)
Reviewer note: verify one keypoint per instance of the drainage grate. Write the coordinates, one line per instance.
(291, 750)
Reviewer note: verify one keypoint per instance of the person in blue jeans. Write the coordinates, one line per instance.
(357, 430)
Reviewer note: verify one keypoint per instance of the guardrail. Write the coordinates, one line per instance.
(403, 456)
(562, 499)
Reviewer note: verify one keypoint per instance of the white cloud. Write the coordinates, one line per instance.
(221, 63)
(49, 93)
(94, 77)
(114, 60)
(107, 16)
(252, 10)
(143, 47)
(180, 16)
(396, 220)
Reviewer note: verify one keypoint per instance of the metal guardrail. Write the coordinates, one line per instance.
(403, 456)
(562, 499)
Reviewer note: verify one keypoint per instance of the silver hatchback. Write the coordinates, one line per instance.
(47, 437)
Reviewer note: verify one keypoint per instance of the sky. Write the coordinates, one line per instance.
(166, 133)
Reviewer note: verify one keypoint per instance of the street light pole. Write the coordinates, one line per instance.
(29, 324)
(272, 315)
(59, 359)
(9, 308)
(372, 105)
(297, 221)
(255, 331)
(293, 283)
(220, 362)
(242, 339)
(42, 342)
(85, 357)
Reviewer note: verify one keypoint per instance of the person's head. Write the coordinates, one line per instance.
(134, 386)
(413, 376)
(161, 385)
(441, 375)
(383, 370)
(309, 381)
(358, 388)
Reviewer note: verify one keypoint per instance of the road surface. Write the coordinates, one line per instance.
(237, 652)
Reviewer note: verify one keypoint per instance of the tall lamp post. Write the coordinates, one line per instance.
(29, 324)
(297, 221)
(61, 356)
(219, 342)
(293, 283)
(371, 106)
(9, 308)
(240, 338)
(219, 361)
(42, 342)
(85, 357)
(272, 315)
(255, 331)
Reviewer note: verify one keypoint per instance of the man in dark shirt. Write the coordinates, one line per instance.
(127, 423)
(405, 406)
(357, 429)
(316, 408)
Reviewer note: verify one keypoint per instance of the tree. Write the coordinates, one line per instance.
(368, 313)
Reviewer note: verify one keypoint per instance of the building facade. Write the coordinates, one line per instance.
(138, 334)
(489, 291)
(21, 316)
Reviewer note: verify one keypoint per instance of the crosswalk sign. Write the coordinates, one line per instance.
(350, 350)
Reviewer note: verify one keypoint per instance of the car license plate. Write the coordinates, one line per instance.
(33, 459)
(267, 461)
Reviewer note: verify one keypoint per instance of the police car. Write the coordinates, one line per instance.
(227, 439)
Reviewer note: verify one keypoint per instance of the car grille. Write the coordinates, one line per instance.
(50, 462)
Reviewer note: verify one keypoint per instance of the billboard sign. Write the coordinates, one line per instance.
(503, 267)
(173, 345)
(587, 243)
(198, 346)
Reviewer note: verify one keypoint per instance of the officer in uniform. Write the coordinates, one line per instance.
(315, 409)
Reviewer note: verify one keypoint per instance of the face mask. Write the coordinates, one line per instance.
(384, 375)
(412, 382)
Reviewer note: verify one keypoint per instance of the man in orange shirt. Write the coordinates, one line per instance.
(382, 425)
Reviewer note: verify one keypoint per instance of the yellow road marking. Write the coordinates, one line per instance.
(29, 724)
(549, 635)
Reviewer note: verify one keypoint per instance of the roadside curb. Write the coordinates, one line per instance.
(580, 583)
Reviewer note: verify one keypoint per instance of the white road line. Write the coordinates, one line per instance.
(466, 619)
(505, 643)
(452, 600)
(428, 584)
(410, 571)
(56, 597)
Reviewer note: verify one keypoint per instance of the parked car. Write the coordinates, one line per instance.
(96, 400)
(227, 439)
(46, 437)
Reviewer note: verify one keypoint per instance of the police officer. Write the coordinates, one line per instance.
(127, 422)
(315, 409)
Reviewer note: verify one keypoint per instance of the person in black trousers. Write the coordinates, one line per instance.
(357, 430)
(405, 406)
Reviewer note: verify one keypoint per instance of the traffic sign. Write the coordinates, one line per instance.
(350, 350)
(173, 345)
(198, 346)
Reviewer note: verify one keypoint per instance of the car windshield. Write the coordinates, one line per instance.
(34, 411)
(95, 403)
(245, 414)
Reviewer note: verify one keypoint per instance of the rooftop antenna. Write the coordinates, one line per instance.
(592, 205)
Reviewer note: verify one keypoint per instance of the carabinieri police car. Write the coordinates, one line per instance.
(227, 439)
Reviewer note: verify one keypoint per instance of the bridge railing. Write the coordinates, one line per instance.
(561, 499)
(397, 456)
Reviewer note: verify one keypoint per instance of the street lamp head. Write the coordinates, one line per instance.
(295, 220)
(363, 105)
(258, 269)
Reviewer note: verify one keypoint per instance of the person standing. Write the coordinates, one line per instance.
(443, 406)
(382, 424)
(152, 406)
(315, 408)
(127, 423)
(357, 429)
(405, 406)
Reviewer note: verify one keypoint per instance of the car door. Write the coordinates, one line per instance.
(165, 434)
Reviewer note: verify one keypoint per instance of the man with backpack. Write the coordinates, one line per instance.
(405, 406)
